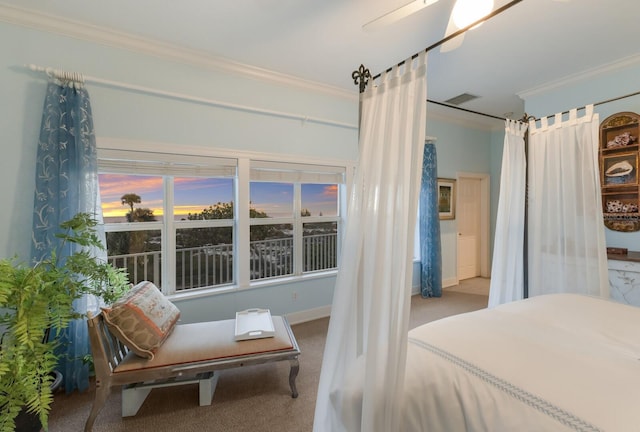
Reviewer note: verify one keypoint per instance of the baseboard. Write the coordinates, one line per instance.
(325, 311)
(450, 282)
(446, 283)
(309, 315)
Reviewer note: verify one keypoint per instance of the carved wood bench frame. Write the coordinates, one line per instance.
(108, 352)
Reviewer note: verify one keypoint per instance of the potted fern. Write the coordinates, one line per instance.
(36, 299)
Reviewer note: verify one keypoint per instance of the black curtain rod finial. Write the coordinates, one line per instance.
(526, 118)
(361, 77)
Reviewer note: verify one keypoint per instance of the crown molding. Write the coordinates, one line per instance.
(116, 39)
(625, 62)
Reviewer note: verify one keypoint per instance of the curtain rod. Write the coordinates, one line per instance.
(594, 104)
(58, 73)
(465, 109)
(525, 116)
(459, 32)
(185, 97)
(616, 98)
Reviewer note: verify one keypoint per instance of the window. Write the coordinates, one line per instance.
(320, 226)
(203, 231)
(295, 207)
(274, 224)
(135, 237)
(177, 220)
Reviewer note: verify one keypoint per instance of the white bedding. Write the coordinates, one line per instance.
(559, 362)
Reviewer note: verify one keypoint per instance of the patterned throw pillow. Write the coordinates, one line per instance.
(142, 319)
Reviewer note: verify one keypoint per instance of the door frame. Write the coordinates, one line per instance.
(485, 218)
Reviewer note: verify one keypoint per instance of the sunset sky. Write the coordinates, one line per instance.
(193, 194)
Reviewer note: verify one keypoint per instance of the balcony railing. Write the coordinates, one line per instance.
(140, 266)
(207, 266)
(204, 266)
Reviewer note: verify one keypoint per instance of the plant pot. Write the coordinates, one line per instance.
(29, 422)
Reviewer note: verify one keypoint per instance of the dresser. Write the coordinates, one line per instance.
(624, 277)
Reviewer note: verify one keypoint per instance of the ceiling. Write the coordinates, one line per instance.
(534, 43)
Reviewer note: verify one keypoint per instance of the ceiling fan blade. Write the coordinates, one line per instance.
(454, 43)
(397, 14)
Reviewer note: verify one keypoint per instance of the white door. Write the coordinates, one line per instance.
(468, 215)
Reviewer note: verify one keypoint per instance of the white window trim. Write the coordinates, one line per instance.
(248, 164)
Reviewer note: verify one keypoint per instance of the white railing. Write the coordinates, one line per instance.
(319, 252)
(141, 266)
(213, 265)
(204, 266)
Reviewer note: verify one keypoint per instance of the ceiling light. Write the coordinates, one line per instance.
(466, 12)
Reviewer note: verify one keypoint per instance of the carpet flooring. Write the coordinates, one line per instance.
(255, 398)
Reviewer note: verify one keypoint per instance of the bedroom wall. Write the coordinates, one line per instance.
(121, 114)
(130, 115)
(593, 86)
(460, 148)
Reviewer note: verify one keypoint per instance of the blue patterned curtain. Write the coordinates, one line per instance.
(66, 183)
(430, 250)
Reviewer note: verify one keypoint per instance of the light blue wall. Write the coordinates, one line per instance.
(460, 148)
(134, 115)
(497, 144)
(615, 82)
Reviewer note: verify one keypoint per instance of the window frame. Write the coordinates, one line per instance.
(128, 152)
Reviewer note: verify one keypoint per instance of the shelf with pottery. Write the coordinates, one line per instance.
(619, 149)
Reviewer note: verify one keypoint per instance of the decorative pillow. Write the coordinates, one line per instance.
(142, 319)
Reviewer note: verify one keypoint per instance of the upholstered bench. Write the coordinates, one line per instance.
(191, 353)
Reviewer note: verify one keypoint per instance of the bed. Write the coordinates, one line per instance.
(559, 362)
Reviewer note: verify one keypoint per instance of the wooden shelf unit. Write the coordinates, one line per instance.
(619, 179)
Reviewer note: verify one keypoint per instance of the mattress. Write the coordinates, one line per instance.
(559, 362)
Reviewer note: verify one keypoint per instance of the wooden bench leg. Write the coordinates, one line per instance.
(206, 387)
(102, 392)
(293, 373)
(133, 396)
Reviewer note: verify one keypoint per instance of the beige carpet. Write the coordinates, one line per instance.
(255, 398)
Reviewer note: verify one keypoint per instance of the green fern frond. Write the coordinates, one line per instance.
(34, 298)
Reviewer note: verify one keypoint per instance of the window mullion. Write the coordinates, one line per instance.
(241, 217)
(297, 229)
(169, 240)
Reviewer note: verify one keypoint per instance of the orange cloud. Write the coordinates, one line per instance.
(330, 190)
(113, 186)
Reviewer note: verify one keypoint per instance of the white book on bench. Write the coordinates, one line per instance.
(254, 324)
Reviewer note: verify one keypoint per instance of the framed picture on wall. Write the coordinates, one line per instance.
(620, 169)
(446, 198)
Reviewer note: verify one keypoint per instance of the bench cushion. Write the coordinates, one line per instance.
(142, 319)
(191, 343)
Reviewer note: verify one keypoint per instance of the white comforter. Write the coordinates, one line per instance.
(558, 362)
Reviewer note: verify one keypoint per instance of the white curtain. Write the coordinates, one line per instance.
(507, 271)
(567, 251)
(364, 358)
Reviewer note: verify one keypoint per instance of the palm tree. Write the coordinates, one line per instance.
(130, 199)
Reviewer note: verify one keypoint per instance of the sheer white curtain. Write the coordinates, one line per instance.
(567, 251)
(364, 359)
(507, 272)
